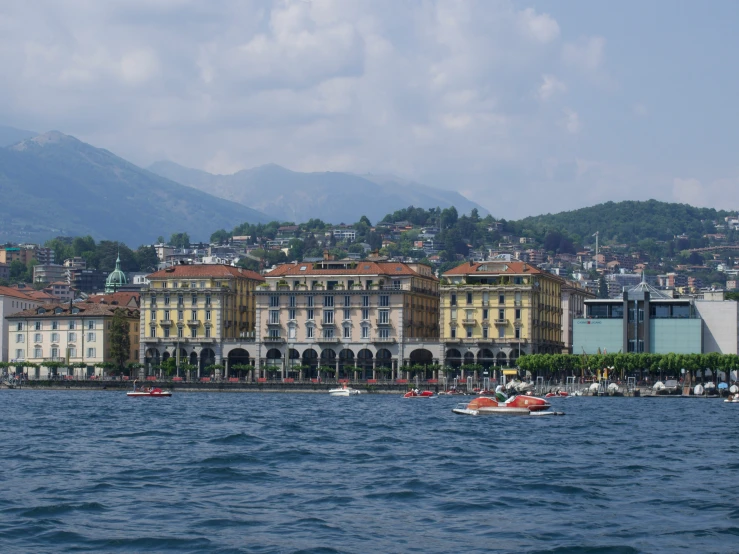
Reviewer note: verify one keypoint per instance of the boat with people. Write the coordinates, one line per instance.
(732, 399)
(343, 391)
(416, 393)
(556, 394)
(500, 404)
(146, 391)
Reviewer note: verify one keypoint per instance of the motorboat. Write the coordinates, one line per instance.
(516, 405)
(732, 399)
(155, 392)
(418, 394)
(555, 394)
(344, 391)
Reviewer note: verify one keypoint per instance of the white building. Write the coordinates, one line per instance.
(11, 301)
(720, 323)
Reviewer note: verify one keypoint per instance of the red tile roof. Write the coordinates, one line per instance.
(496, 267)
(15, 293)
(204, 270)
(116, 299)
(362, 268)
(86, 309)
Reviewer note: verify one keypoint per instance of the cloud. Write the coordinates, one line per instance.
(550, 86)
(541, 27)
(713, 194)
(571, 121)
(587, 53)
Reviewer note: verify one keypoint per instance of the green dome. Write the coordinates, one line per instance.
(117, 278)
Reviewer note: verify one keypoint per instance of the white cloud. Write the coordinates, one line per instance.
(586, 53)
(550, 86)
(540, 27)
(571, 121)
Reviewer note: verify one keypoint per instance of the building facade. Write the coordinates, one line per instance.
(77, 334)
(493, 312)
(193, 312)
(12, 301)
(349, 316)
(573, 307)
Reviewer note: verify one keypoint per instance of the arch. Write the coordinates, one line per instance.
(328, 357)
(453, 357)
(513, 358)
(194, 358)
(422, 357)
(384, 358)
(293, 357)
(364, 359)
(151, 356)
(238, 356)
(501, 359)
(207, 357)
(166, 356)
(469, 358)
(310, 358)
(485, 358)
(346, 359)
(274, 357)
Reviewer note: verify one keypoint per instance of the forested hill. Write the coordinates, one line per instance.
(624, 222)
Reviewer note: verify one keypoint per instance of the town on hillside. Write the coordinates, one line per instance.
(427, 289)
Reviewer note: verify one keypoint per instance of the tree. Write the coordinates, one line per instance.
(221, 236)
(180, 240)
(602, 287)
(120, 340)
(146, 257)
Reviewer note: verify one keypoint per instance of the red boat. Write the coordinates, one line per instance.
(516, 405)
(418, 394)
(152, 392)
(554, 394)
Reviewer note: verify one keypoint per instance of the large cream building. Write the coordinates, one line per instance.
(76, 334)
(493, 312)
(200, 310)
(354, 317)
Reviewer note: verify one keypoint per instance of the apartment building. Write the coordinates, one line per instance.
(25, 253)
(191, 312)
(574, 295)
(76, 334)
(12, 300)
(493, 312)
(348, 316)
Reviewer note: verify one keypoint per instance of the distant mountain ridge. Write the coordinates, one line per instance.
(54, 184)
(11, 135)
(334, 197)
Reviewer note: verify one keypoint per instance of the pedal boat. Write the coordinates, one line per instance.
(516, 405)
(153, 393)
(414, 394)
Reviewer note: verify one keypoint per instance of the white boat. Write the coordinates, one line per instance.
(343, 391)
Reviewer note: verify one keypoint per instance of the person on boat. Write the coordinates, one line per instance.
(500, 393)
(134, 384)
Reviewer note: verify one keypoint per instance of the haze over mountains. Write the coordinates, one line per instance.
(53, 184)
(334, 197)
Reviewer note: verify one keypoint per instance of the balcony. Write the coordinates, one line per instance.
(501, 322)
(193, 322)
(273, 340)
(469, 322)
(384, 340)
(165, 322)
(452, 341)
(486, 303)
(274, 323)
(383, 323)
(328, 340)
(517, 303)
(518, 323)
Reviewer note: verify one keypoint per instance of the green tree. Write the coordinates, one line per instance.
(220, 237)
(602, 287)
(146, 258)
(180, 240)
(18, 271)
(120, 340)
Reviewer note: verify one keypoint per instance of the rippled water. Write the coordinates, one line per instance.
(202, 472)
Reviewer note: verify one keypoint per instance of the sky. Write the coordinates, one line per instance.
(524, 107)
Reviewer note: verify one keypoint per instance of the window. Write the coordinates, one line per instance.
(365, 314)
(20, 338)
(166, 315)
(518, 333)
(153, 315)
(501, 299)
(274, 301)
(202, 284)
(365, 332)
(291, 301)
(347, 332)
(469, 298)
(310, 315)
(218, 284)
(180, 300)
(347, 300)
(274, 317)
(72, 352)
(153, 331)
(164, 285)
(20, 354)
(310, 302)
(501, 315)
(328, 333)
(309, 332)
(484, 332)
(383, 333)
(19, 327)
(180, 315)
(38, 338)
(469, 332)
(365, 301)
(518, 313)
(90, 337)
(55, 325)
(347, 314)
(38, 353)
(274, 333)
(72, 337)
(71, 324)
(207, 299)
(180, 332)
(90, 324)
(470, 315)
(396, 284)
(194, 332)
(207, 332)
(485, 314)
(453, 300)
(454, 314)
(37, 325)
(166, 300)
(384, 300)
(90, 352)
(207, 315)
(328, 316)
(166, 332)
(291, 314)
(193, 315)
(454, 332)
(328, 301)
(55, 337)
(291, 332)
(384, 316)
(153, 300)
(501, 332)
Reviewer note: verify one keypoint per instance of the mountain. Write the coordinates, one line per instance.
(11, 135)
(331, 196)
(625, 222)
(53, 184)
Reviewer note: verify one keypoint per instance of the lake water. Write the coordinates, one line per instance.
(210, 472)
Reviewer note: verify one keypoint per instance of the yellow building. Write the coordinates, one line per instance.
(196, 308)
(493, 312)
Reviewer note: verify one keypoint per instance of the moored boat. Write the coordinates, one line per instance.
(154, 392)
(344, 391)
(516, 405)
